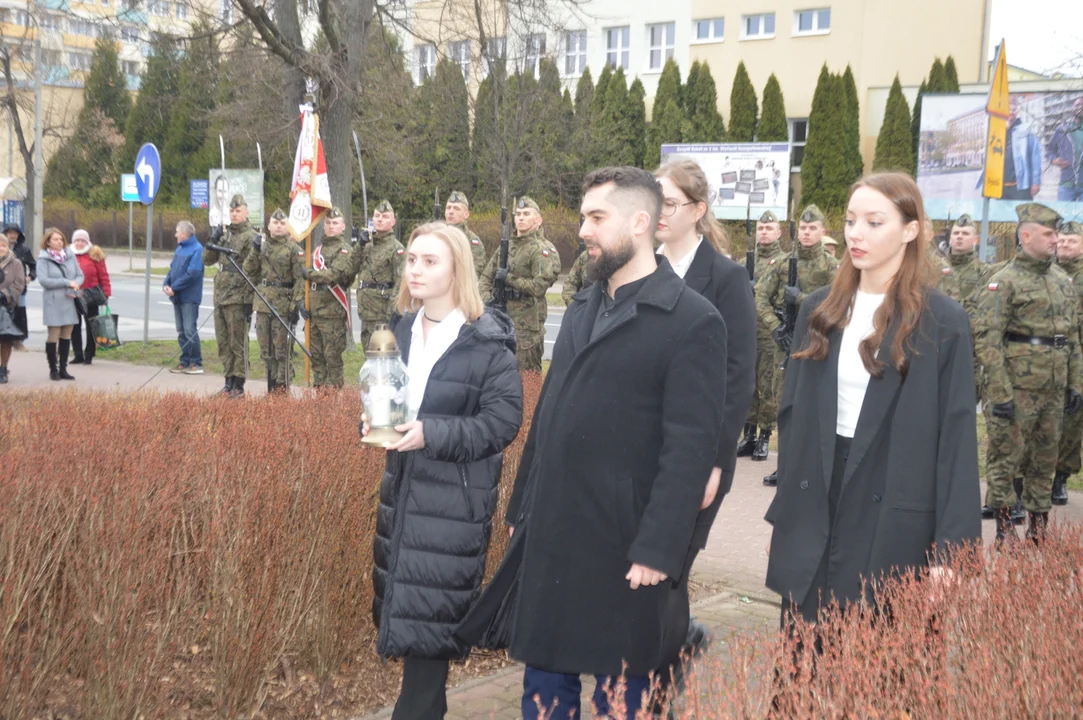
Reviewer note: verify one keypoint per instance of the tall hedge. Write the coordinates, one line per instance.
(894, 146)
(852, 123)
(772, 126)
(744, 110)
(665, 126)
(703, 122)
(825, 173)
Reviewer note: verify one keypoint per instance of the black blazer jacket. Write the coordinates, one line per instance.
(910, 490)
(725, 284)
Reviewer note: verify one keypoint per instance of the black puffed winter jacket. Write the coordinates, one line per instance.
(437, 503)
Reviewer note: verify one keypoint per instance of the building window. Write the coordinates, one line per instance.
(798, 136)
(51, 58)
(182, 11)
(426, 62)
(535, 51)
(575, 53)
(50, 22)
(459, 53)
(660, 41)
(495, 49)
(129, 34)
(131, 67)
(79, 61)
(812, 22)
(755, 27)
(709, 30)
(160, 8)
(227, 11)
(617, 41)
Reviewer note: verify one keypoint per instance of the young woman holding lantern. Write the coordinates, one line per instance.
(463, 406)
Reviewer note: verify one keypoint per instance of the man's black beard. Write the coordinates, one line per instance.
(609, 262)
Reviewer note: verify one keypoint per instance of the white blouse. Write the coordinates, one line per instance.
(853, 377)
(681, 266)
(423, 355)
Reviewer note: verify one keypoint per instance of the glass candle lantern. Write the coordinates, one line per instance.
(383, 388)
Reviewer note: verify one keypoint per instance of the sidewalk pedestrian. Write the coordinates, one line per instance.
(91, 259)
(878, 460)
(693, 241)
(183, 285)
(61, 278)
(22, 251)
(615, 468)
(442, 479)
(12, 286)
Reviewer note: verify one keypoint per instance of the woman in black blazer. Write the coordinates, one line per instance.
(878, 469)
(694, 243)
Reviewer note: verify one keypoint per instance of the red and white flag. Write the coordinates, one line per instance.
(310, 194)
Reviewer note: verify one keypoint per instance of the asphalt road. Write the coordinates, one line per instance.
(128, 304)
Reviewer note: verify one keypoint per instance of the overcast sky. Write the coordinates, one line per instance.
(1041, 35)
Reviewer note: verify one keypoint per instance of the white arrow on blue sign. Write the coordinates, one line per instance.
(148, 173)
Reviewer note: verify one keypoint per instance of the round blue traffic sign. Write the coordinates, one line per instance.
(148, 173)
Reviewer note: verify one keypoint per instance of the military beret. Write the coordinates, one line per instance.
(768, 217)
(812, 214)
(384, 206)
(526, 202)
(458, 197)
(334, 213)
(964, 221)
(1070, 228)
(828, 240)
(238, 201)
(1038, 213)
(278, 214)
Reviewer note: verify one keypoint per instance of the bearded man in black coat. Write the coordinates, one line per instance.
(616, 464)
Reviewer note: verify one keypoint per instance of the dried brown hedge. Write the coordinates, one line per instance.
(170, 556)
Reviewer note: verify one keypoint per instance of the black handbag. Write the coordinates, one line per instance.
(94, 296)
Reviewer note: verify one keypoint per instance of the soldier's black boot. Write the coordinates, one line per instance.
(62, 360)
(1018, 513)
(228, 388)
(748, 442)
(238, 388)
(1005, 527)
(1039, 523)
(771, 480)
(50, 354)
(760, 453)
(987, 512)
(1060, 488)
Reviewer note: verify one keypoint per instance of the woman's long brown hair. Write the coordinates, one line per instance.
(689, 177)
(905, 298)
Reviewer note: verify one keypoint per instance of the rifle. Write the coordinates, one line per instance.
(500, 284)
(783, 335)
(359, 235)
(750, 255)
(436, 204)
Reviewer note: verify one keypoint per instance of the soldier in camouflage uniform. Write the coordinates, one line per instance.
(764, 408)
(277, 268)
(971, 274)
(1027, 334)
(533, 267)
(378, 266)
(232, 296)
(1070, 259)
(946, 282)
(577, 276)
(814, 270)
(328, 313)
(831, 247)
(456, 213)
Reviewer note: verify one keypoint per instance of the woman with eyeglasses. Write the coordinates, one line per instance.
(694, 243)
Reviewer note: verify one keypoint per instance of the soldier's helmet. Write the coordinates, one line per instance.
(526, 202)
(1070, 228)
(458, 197)
(812, 214)
(334, 213)
(768, 217)
(1037, 213)
(964, 221)
(384, 207)
(237, 201)
(278, 214)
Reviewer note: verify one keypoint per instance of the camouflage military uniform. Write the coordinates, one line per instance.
(972, 276)
(1068, 454)
(477, 247)
(329, 318)
(232, 298)
(278, 271)
(764, 408)
(533, 267)
(577, 278)
(946, 281)
(1029, 301)
(378, 266)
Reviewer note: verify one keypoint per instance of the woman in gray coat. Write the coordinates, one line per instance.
(61, 278)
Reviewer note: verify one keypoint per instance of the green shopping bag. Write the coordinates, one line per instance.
(104, 327)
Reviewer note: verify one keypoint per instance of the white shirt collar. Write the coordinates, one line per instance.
(424, 355)
(681, 266)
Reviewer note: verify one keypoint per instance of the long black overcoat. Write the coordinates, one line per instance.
(911, 479)
(436, 504)
(613, 473)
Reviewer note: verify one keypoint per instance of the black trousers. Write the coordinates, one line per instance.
(77, 335)
(424, 690)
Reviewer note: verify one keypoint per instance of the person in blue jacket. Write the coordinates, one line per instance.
(183, 285)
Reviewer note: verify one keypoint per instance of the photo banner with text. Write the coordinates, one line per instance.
(225, 184)
(740, 176)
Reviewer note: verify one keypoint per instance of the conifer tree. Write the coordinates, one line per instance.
(635, 118)
(580, 149)
(951, 76)
(938, 79)
(703, 121)
(915, 119)
(597, 103)
(665, 130)
(148, 121)
(444, 123)
(190, 119)
(106, 87)
(744, 110)
(772, 126)
(824, 169)
(669, 90)
(612, 128)
(894, 145)
(852, 120)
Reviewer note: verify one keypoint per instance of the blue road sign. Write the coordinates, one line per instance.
(128, 190)
(148, 173)
(199, 192)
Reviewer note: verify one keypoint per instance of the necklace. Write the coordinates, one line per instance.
(426, 316)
